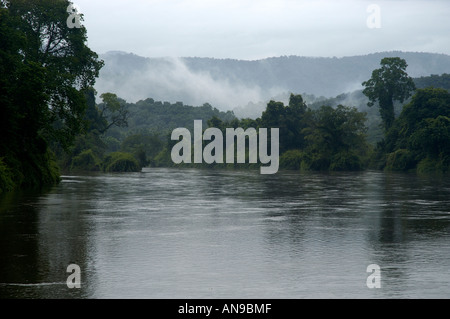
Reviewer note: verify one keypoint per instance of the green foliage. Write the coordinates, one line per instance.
(7, 183)
(317, 161)
(89, 141)
(120, 162)
(425, 104)
(291, 160)
(400, 160)
(53, 68)
(434, 80)
(155, 117)
(433, 165)
(325, 139)
(420, 136)
(336, 139)
(113, 111)
(143, 146)
(163, 159)
(378, 157)
(112, 143)
(86, 161)
(91, 146)
(346, 161)
(35, 169)
(290, 119)
(45, 69)
(388, 84)
(432, 137)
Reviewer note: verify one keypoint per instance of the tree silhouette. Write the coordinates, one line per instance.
(388, 84)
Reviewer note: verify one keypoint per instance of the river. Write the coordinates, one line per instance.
(188, 233)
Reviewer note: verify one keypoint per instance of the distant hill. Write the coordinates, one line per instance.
(434, 80)
(162, 117)
(354, 98)
(229, 84)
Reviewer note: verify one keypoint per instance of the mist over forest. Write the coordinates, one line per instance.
(69, 108)
(224, 149)
(246, 86)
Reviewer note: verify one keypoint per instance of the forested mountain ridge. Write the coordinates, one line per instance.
(229, 83)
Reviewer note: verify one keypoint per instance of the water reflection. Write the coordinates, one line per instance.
(238, 234)
(38, 241)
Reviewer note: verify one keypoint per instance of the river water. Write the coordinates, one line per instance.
(187, 233)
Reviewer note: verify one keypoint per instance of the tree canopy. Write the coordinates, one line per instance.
(388, 84)
(290, 119)
(421, 134)
(45, 68)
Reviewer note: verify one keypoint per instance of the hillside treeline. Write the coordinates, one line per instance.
(52, 120)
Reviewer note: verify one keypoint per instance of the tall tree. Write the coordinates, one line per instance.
(46, 68)
(388, 84)
(296, 121)
(112, 112)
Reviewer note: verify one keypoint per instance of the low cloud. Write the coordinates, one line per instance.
(170, 79)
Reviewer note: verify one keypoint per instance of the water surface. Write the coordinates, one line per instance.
(186, 233)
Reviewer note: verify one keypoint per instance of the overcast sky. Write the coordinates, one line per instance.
(254, 29)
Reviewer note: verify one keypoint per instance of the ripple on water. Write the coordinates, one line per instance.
(168, 233)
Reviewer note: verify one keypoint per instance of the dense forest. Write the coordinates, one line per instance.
(137, 131)
(323, 135)
(45, 69)
(53, 120)
(309, 135)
